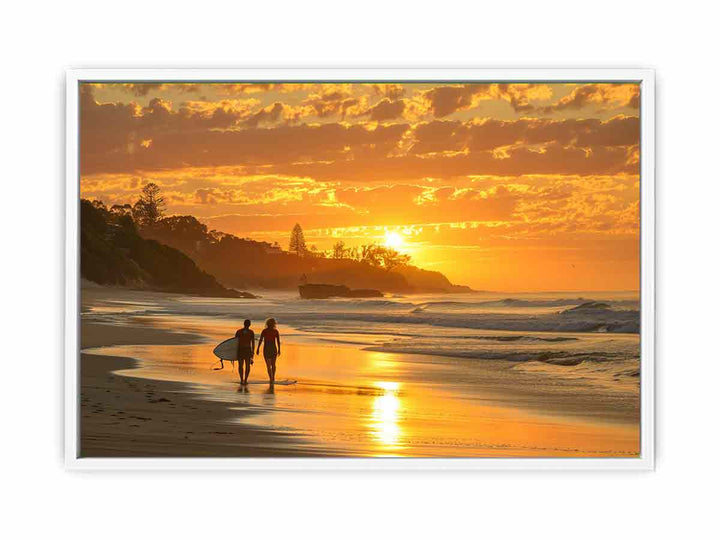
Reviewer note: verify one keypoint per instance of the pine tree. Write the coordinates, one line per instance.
(297, 240)
(150, 207)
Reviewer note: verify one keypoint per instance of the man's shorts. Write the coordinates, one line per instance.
(245, 354)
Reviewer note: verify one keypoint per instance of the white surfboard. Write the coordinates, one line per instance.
(227, 350)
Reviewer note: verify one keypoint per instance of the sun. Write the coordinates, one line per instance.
(394, 240)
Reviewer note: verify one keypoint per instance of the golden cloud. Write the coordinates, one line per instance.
(602, 95)
(445, 100)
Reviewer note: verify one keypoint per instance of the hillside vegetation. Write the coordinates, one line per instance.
(113, 253)
(244, 263)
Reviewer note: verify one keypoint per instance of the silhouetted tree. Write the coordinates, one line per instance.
(380, 256)
(339, 250)
(297, 241)
(370, 253)
(150, 207)
(121, 209)
(391, 258)
(315, 252)
(185, 233)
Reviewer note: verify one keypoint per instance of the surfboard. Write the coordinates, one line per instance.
(227, 350)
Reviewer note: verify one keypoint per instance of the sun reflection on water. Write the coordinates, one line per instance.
(385, 423)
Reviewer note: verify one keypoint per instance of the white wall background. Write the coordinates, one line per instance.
(38, 42)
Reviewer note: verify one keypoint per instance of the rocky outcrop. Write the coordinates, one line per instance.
(320, 291)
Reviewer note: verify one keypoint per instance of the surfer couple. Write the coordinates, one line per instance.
(246, 347)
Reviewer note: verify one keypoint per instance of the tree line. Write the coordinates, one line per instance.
(373, 254)
(147, 210)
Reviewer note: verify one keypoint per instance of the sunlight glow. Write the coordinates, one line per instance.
(386, 415)
(388, 386)
(394, 240)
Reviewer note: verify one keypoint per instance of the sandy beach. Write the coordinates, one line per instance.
(149, 389)
(127, 416)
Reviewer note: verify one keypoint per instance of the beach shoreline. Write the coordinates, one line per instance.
(126, 416)
(148, 389)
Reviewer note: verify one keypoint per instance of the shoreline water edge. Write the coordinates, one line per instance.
(463, 375)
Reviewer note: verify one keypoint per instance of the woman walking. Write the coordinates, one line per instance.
(271, 337)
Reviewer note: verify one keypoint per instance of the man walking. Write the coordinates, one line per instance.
(246, 347)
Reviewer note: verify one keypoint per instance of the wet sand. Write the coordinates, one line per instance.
(126, 416)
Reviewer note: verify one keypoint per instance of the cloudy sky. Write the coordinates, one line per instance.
(509, 187)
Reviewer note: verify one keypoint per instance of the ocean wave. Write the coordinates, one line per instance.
(402, 317)
(372, 303)
(569, 321)
(556, 339)
(610, 321)
(517, 302)
(520, 304)
(557, 357)
(617, 376)
(506, 302)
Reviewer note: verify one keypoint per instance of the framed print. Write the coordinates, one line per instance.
(360, 268)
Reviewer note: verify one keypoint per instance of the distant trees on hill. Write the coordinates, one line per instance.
(372, 254)
(244, 263)
(391, 258)
(339, 250)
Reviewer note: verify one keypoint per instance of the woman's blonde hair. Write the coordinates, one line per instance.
(270, 323)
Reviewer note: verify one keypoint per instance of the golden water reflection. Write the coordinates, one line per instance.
(386, 415)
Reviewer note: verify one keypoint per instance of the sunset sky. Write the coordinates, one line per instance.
(507, 187)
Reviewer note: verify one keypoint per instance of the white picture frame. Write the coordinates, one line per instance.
(645, 77)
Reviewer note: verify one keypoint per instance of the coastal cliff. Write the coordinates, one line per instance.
(113, 253)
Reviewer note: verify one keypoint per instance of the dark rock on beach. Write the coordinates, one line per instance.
(320, 291)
